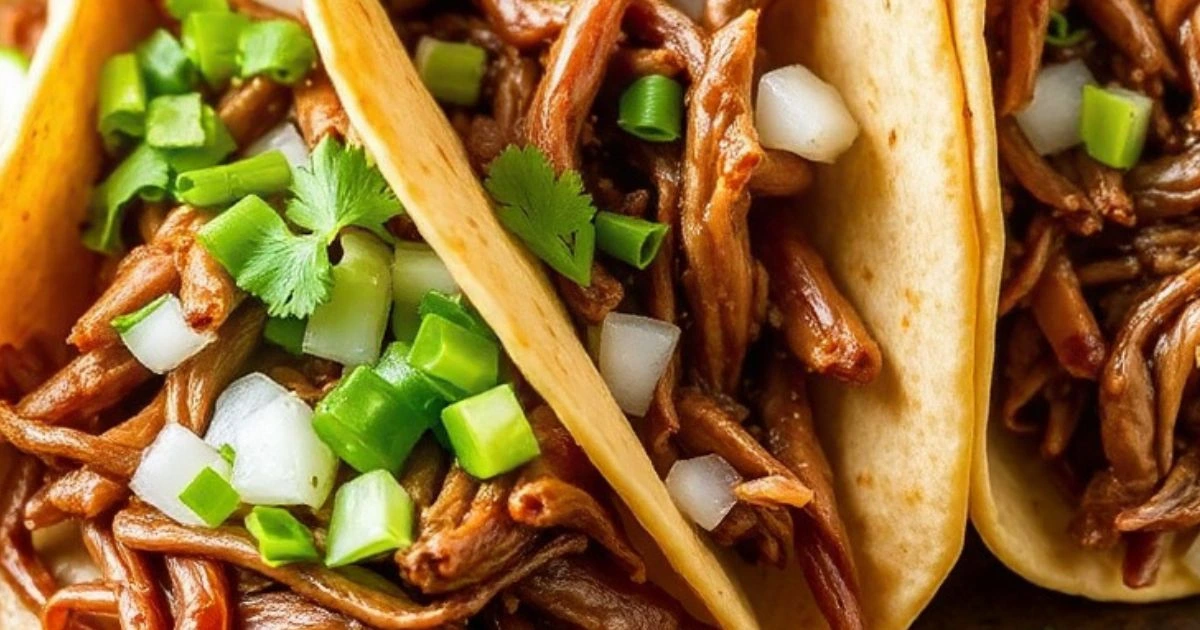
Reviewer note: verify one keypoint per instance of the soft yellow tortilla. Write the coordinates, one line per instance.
(1016, 506)
(895, 218)
(48, 160)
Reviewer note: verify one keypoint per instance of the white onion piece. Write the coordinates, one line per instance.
(634, 352)
(702, 487)
(280, 460)
(1051, 120)
(169, 465)
(287, 139)
(290, 7)
(349, 327)
(237, 404)
(164, 339)
(800, 113)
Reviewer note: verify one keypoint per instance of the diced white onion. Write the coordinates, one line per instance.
(291, 7)
(634, 352)
(164, 339)
(702, 487)
(800, 113)
(169, 465)
(349, 327)
(1051, 120)
(691, 8)
(237, 404)
(280, 460)
(287, 139)
(416, 270)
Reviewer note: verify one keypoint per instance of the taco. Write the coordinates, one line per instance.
(1083, 134)
(232, 434)
(618, 143)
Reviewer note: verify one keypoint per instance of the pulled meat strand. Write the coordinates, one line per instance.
(44, 440)
(19, 564)
(142, 276)
(587, 594)
(1174, 362)
(1144, 554)
(820, 325)
(822, 545)
(591, 304)
(140, 604)
(318, 111)
(92, 382)
(721, 153)
(148, 530)
(1040, 239)
(192, 388)
(1038, 177)
(1105, 188)
(284, 610)
(201, 594)
(1168, 186)
(1131, 30)
(89, 598)
(253, 108)
(424, 472)
(1067, 321)
(81, 493)
(781, 174)
(1027, 22)
(1175, 506)
(524, 23)
(206, 290)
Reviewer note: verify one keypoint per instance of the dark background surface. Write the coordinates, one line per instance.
(981, 593)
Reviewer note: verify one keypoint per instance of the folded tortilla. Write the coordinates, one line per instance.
(900, 448)
(1016, 505)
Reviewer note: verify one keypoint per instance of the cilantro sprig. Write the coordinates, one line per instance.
(551, 214)
(291, 271)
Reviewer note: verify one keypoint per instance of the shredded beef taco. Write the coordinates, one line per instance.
(1086, 464)
(239, 390)
(742, 208)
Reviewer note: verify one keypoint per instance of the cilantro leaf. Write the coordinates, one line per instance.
(290, 273)
(552, 215)
(340, 188)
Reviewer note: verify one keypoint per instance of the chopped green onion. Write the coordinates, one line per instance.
(211, 41)
(227, 453)
(453, 355)
(165, 65)
(264, 174)
(218, 144)
(1060, 34)
(231, 236)
(122, 323)
(144, 173)
(210, 496)
(489, 433)
(652, 109)
(122, 108)
(371, 515)
(175, 122)
(419, 393)
(280, 49)
(286, 332)
(416, 270)
(1113, 124)
(349, 326)
(455, 308)
(282, 539)
(629, 239)
(367, 424)
(180, 9)
(453, 72)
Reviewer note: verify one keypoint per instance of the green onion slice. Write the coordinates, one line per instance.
(264, 174)
(349, 326)
(371, 515)
(180, 9)
(416, 270)
(366, 423)
(282, 539)
(122, 323)
(165, 65)
(1059, 32)
(629, 239)
(232, 235)
(453, 72)
(218, 145)
(421, 396)
(280, 49)
(652, 108)
(122, 107)
(145, 173)
(489, 432)
(456, 309)
(286, 332)
(1113, 123)
(211, 41)
(211, 497)
(175, 122)
(468, 363)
